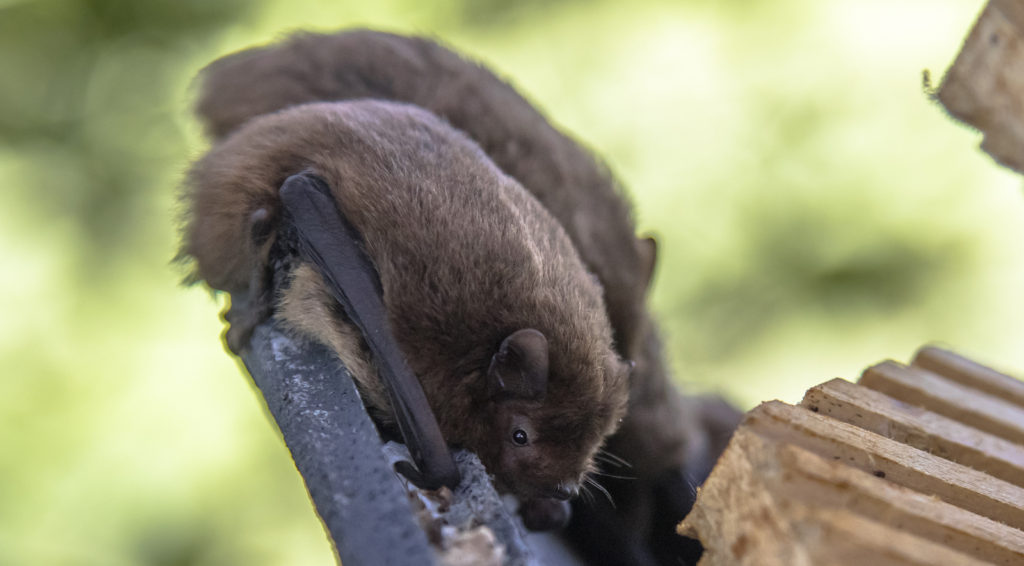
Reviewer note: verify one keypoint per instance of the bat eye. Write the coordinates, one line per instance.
(519, 437)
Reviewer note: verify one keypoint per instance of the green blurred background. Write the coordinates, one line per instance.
(817, 212)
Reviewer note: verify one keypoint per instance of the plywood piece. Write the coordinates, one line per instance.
(846, 539)
(918, 427)
(985, 85)
(920, 468)
(764, 505)
(923, 388)
(827, 483)
(970, 489)
(972, 374)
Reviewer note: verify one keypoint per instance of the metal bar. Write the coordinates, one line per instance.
(337, 450)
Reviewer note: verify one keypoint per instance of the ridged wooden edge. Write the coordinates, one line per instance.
(970, 373)
(860, 474)
(777, 504)
(962, 486)
(917, 427)
(949, 398)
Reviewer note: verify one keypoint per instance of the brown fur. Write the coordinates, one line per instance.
(572, 184)
(465, 257)
(662, 430)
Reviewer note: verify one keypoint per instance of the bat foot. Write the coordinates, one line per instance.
(545, 514)
(242, 321)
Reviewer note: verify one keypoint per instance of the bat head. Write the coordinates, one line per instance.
(547, 424)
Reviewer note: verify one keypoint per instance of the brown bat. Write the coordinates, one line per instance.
(483, 291)
(670, 441)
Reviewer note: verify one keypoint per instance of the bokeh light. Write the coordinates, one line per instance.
(817, 211)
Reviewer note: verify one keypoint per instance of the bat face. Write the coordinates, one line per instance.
(546, 451)
(530, 463)
(544, 427)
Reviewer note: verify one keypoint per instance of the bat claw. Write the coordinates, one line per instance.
(421, 480)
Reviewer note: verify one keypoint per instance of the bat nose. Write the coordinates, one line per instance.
(566, 490)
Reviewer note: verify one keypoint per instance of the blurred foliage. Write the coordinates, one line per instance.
(90, 87)
(816, 212)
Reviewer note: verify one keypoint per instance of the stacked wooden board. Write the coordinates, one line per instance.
(919, 464)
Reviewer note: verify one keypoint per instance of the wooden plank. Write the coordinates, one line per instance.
(752, 510)
(847, 539)
(828, 483)
(985, 85)
(971, 374)
(970, 489)
(940, 395)
(918, 427)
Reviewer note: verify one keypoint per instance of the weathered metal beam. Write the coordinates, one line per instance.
(337, 450)
(349, 475)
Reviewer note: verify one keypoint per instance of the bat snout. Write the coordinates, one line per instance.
(564, 491)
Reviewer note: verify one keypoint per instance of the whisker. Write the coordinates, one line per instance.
(590, 481)
(588, 497)
(613, 476)
(606, 456)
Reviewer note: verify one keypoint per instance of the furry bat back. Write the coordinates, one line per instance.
(567, 179)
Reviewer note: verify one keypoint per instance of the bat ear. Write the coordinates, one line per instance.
(519, 369)
(648, 248)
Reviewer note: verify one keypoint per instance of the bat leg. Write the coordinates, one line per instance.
(249, 309)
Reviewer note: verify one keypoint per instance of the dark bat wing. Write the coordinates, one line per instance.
(328, 240)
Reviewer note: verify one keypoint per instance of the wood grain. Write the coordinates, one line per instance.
(778, 504)
(959, 485)
(918, 427)
(913, 465)
(972, 374)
